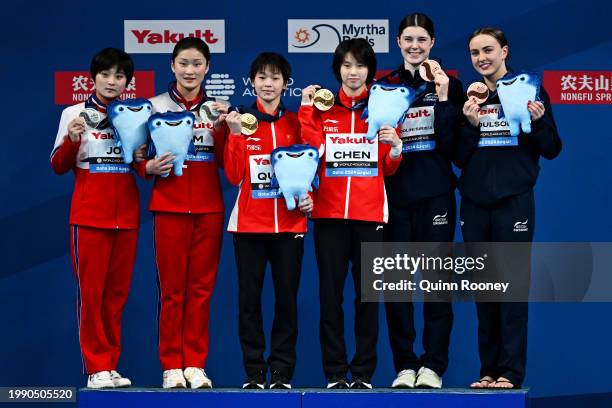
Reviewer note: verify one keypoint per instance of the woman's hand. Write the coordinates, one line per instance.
(141, 153)
(160, 166)
(233, 122)
(76, 128)
(308, 94)
(441, 80)
(388, 135)
(470, 111)
(306, 205)
(222, 108)
(536, 109)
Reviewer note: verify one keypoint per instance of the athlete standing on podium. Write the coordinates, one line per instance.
(350, 207)
(188, 224)
(264, 230)
(422, 199)
(496, 187)
(103, 217)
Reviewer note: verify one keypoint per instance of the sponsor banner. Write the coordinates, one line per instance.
(160, 36)
(72, 87)
(579, 87)
(325, 35)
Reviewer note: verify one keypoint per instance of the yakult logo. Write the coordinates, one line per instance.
(160, 36)
(418, 114)
(488, 111)
(325, 35)
(102, 136)
(351, 140)
(262, 162)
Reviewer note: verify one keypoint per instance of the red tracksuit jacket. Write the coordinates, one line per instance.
(105, 193)
(351, 169)
(258, 207)
(198, 190)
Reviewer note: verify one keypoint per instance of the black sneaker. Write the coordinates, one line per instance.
(256, 382)
(279, 381)
(252, 384)
(337, 383)
(360, 384)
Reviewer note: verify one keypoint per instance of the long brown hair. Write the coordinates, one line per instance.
(493, 32)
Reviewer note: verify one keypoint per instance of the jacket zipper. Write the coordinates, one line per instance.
(348, 182)
(276, 199)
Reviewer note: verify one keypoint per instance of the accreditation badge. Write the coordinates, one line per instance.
(494, 132)
(104, 154)
(261, 171)
(350, 155)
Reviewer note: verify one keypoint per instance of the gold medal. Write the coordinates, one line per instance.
(323, 99)
(248, 123)
(478, 91)
(428, 70)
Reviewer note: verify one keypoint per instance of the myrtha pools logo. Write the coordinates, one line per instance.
(325, 35)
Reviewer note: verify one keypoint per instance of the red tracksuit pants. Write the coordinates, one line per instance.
(187, 250)
(103, 260)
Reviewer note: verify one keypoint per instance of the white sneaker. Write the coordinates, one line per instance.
(427, 378)
(101, 379)
(174, 379)
(118, 380)
(197, 377)
(404, 379)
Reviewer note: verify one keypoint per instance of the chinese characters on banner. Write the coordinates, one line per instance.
(75, 86)
(579, 87)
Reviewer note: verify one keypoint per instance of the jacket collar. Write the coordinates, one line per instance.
(352, 102)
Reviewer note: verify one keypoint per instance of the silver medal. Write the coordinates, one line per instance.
(92, 117)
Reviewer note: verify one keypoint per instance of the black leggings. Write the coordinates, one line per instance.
(426, 220)
(338, 243)
(284, 251)
(502, 327)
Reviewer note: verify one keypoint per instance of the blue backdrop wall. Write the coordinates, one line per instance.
(568, 343)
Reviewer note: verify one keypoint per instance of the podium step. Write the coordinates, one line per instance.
(301, 398)
(389, 398)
